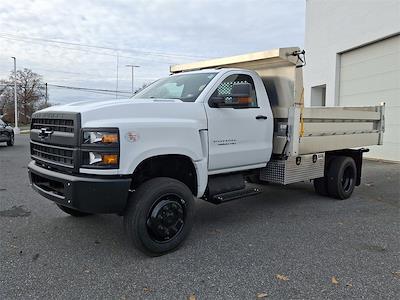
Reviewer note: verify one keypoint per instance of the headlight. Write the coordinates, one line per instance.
(100, 148)
(100, 137)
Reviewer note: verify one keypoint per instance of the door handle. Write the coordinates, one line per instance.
(261, 117)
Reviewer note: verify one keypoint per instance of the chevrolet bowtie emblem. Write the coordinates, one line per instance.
(45, 133)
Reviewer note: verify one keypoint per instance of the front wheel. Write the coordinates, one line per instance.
(159, 216)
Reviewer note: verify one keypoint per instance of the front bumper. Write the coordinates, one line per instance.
(84, 193)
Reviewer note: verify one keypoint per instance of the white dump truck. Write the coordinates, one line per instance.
(204, 132)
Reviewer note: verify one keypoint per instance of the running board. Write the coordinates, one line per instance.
(232, 195)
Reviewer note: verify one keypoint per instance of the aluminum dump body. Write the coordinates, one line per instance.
(297, 129)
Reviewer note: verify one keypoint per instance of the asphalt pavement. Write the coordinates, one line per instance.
(286, 243)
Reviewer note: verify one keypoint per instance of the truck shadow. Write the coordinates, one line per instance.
(274, 199)
(106, 232)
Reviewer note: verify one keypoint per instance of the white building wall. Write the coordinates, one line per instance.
(335, 26)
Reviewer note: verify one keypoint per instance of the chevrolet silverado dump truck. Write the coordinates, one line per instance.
(204, 132)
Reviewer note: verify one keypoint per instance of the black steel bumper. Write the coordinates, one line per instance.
(88, 194)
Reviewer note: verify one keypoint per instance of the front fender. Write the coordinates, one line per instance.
(134, 163)
(180, 140)
(201, 166)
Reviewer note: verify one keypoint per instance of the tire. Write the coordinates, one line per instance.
(11, 141)
(320, 186)
(253, 178)
(159, 216)
(73, 212)
(341, 177)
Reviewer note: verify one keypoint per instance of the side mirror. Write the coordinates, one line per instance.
(217, 101)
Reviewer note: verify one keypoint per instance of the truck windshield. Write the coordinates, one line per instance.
(185, 87)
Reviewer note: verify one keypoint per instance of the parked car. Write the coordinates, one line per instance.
(6, 133)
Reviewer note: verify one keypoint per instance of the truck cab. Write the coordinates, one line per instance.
(203, 132)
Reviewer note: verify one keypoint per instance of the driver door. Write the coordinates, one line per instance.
(239, 137)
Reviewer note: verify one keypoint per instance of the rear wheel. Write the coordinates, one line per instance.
(11, 141)
(73, 212)
(159, 215)
(255, 178)
(320, 186)
(341, 177)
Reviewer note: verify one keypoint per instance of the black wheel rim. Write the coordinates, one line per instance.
(166, 218)
(348, 179)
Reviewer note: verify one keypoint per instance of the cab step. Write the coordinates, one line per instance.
(232, 195)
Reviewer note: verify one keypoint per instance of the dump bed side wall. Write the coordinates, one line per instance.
(334, 128)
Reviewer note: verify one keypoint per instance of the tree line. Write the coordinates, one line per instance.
(31, 96)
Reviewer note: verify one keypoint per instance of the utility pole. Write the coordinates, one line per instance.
(46, 97)
(116, 89)
(16, 129)
(133, 70)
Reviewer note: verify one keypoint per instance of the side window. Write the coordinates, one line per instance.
(228, 87)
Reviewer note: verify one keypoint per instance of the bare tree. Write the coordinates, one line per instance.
(30, 95)
(3, 86)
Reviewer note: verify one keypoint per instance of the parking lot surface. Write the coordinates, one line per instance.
(286, 243)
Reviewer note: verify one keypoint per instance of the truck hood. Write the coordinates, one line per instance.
(113, 113)
(83, 106)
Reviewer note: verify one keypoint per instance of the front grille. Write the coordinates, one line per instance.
(56, 128)
(61, 125)
(53, 154)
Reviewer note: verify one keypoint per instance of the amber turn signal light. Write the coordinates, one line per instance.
(109, 159)
(110, 138)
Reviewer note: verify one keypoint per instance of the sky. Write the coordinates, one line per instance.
(80, 43)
